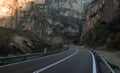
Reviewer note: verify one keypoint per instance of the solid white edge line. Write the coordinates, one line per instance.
(94, 63)
(53, 64)
(34, 59)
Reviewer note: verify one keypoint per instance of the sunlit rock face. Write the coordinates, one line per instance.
(26, 15)
(9, 10)
(45, 17)
(21, 14)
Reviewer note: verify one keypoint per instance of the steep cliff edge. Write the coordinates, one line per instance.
(101, 26)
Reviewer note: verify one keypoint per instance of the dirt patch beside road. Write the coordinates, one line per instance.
(112, 57)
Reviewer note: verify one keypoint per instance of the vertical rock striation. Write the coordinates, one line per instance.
(101, 25)
(69, 13)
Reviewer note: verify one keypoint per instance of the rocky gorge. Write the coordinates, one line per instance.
(54, 22)
(29, 25)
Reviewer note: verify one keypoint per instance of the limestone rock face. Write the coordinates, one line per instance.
(45, 17)
(99, 10)
(73, 8)
(22, 14)
(69, 13)
(26, 15)
(101, 24)
(10, 11)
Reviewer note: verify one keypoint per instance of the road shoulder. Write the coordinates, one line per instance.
(111, 57)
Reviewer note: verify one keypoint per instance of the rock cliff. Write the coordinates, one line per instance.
(47, 18)
(69, 13)
(26, 15)
(51, 21)
(101, 24)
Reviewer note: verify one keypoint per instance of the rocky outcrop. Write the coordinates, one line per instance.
(25, 15)
(69, 13)
(20, 14)
(71, 8)
(99, 10)
(52, 18)
(101, 23)
(13, 42)
(52, 21)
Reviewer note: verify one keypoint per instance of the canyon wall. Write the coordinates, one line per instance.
(69, 13)
(25, 27)
(27, 15)
(28, 26)
(101, 24)
(50, 19)
(10, 11)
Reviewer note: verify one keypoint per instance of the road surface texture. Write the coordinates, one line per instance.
(74, 60)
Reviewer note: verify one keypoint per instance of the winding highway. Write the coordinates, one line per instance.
(74, 60)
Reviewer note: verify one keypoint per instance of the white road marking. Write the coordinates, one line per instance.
(34, 59)
(51, 65)
(94, 63)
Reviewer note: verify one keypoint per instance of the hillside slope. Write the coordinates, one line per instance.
(14, 42)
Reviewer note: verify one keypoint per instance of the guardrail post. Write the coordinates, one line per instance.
(45, 50)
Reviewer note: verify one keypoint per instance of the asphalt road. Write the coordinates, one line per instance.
(75, 60)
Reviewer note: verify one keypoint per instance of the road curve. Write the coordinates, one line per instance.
(75, 60)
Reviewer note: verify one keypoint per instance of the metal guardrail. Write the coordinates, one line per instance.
(14, 59)
(101, 59)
